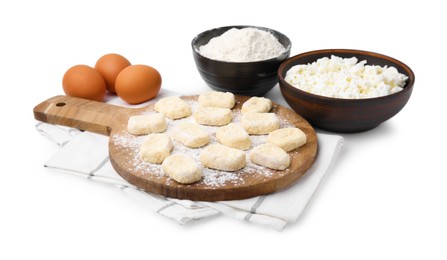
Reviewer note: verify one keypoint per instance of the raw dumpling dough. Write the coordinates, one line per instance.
(259, 123)
(190, 134)
(270, 156)
(213, 116)
(155, 148)
(257, 104)
(146, 124)
(173, 107)
(217, 99)
(220, 157)
(234, 136)
(287, 139)
(182, 168)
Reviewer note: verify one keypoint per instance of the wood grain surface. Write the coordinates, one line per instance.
(112, 120)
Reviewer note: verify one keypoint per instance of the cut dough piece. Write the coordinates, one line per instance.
(173, 107)
(190, 134)
(257, 104)
(220, 157)
(288, 138)
(182, 168)
(214, 116)
(217, 99)
(270, 156)
(155, 148)
(259, 123)
(146, 124)
(234, 136)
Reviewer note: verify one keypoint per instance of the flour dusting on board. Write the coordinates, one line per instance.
(211, 178)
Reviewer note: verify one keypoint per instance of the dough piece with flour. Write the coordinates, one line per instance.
(288, 138)
(155, 148)
(146, 124)
(173, 107)
(213, 116)
(257, 104)
(221, 157)
(234, 136)
(259, 123)
(270, 156)
(182, 168)
(217, 99)
(190, 134)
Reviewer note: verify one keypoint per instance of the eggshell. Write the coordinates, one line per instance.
(138, 83)
(84, 82)
(110, 65)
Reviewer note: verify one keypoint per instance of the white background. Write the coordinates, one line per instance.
(384, 199)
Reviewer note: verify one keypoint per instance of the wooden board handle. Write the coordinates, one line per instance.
(80, 113)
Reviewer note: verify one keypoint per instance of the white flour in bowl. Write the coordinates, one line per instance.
(242, 45)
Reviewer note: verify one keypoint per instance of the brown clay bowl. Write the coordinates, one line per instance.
(242, 78)
(345, 115)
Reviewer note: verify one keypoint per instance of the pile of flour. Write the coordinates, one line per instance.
(243, 45)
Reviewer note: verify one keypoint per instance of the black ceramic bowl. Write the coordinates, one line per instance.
(345, 115)
(242, 78)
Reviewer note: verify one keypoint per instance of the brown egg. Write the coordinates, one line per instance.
(110, 65)
(84, 82)
(138, 83)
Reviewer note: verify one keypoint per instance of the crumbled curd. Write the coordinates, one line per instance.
(345, 78)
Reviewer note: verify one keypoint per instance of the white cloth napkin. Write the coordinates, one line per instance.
(86, 154)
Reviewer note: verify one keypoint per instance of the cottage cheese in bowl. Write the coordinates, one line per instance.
(345, 78)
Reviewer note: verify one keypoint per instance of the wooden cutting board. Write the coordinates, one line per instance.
(216, 185)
